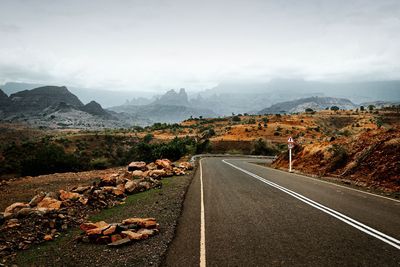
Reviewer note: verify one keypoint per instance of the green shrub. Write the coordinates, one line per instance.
(100, 163)
(260, 147)
(339, 157)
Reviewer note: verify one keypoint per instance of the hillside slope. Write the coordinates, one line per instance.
(366, 158)
(314, 103)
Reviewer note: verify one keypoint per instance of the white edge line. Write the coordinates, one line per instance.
(358, 225)
(202, 222)
(326, 182)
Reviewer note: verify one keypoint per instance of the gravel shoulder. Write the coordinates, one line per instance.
(164, 204)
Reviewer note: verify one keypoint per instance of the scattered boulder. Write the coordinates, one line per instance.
(118, 234)
(36, 199)
(49, 203)
(132, 235)
(109, 180)
(138, 173)
(185, 165)
(178, 171)
(163, 164)
(64, 195)
(119, 242)
(137, 165)
(14, 208)
(131, 186)
(151, 166)
(82, 189)
(157, 173)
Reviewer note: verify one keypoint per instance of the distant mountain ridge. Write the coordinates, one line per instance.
(55, 107)
(314, 103)
(172, 107)
(39, 98)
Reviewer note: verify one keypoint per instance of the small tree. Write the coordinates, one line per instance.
(371, 107)
(362, 108)
(335, 108)
(236, 118)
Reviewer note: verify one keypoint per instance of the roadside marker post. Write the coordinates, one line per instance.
(290, 146)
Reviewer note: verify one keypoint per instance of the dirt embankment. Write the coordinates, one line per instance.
(370, 159)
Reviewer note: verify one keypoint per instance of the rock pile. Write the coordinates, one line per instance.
(118, 234)
(47, 214)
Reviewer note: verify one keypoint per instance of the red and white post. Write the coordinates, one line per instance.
(290, 146)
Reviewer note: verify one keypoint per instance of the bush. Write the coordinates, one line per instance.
(236, 118)
(100, 163)
(49, 158)
(260, 147)
(339, 157)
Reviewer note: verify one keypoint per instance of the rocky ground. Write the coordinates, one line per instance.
(26, 225)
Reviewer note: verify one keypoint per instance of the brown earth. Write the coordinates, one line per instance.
(367, 157)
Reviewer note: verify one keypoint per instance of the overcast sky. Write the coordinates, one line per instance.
(156, 45)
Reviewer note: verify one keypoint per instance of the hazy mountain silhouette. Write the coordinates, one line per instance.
(315, 103)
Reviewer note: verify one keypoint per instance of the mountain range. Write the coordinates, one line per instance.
(57, 107)
(237, 97)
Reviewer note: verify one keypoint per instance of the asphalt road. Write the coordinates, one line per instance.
(257, 216)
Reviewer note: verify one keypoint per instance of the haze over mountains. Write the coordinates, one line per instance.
(237, 97)
(54, 106)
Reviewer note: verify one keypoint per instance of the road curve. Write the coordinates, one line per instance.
(257, 216)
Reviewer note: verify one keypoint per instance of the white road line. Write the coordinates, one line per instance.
(356, 224)
(327, 182)
(202, 222)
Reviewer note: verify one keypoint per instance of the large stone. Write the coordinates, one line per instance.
(164, 163)
(137, 173)
(24, 212)
(110, 230)
(50, 203)
(120, 242)
(109, 180)
(151, 166)
(36, 199)
(120, 180)
(116, 237)
(157, 173)
(81, 189)
(114, 190)
(14, 208)
(142, 222)
(147, 232)
(185, 165)
(48, 237)
(137, 165)
(143, 186)
(98, 230)
(130, 186)
(89, 225)
(83, 200)
(179, 171)
(65, 195)
(132, 235)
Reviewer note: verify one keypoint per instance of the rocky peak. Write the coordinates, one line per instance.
(173, 98)
(43, 97)
(4, 100)
(95, 108)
